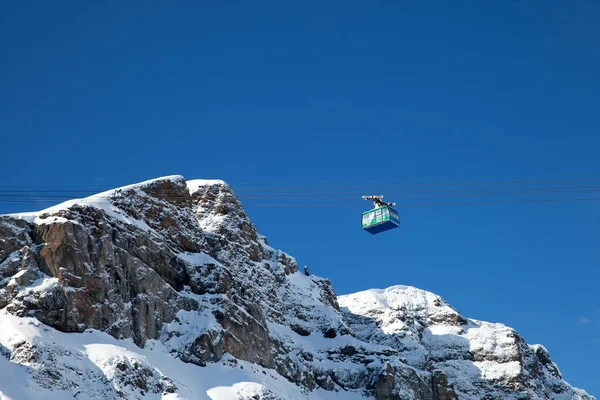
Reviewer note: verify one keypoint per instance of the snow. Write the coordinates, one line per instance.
(13, 381)
(103, 355)
(197, 258)
(43, 284)
(498, 371)
(187, 327)
(245, 390)
(50, 220)
(79, 357)
(15, 330)
(195, 184)
(394, 297)
(27, 216)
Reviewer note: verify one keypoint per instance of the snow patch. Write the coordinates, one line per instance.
(197, 258)
(26, 216)
(195, 184)
(50, 220)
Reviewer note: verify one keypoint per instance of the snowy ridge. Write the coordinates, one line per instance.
(100, 200)
(473, 354)
(94, 365)
(166, 290)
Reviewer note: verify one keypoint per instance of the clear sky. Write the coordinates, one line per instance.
(285, 93)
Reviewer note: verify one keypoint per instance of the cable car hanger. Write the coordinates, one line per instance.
(377, 201)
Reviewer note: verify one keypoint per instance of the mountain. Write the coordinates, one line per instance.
(166, 290)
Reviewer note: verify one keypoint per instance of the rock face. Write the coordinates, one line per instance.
(179, 264)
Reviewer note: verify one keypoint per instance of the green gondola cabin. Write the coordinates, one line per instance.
(381, 218)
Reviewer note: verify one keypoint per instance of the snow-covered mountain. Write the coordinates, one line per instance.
(166, 290)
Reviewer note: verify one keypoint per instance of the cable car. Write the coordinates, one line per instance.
(381, 218)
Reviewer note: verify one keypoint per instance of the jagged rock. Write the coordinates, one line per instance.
(14, 235)
(397, 383)
(441, 389)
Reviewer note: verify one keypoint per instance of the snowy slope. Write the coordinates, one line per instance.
(165, 289)
(94, 365)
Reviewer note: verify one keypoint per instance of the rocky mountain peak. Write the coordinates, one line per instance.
(174, 270)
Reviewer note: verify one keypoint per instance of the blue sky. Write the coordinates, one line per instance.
(338, 92)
